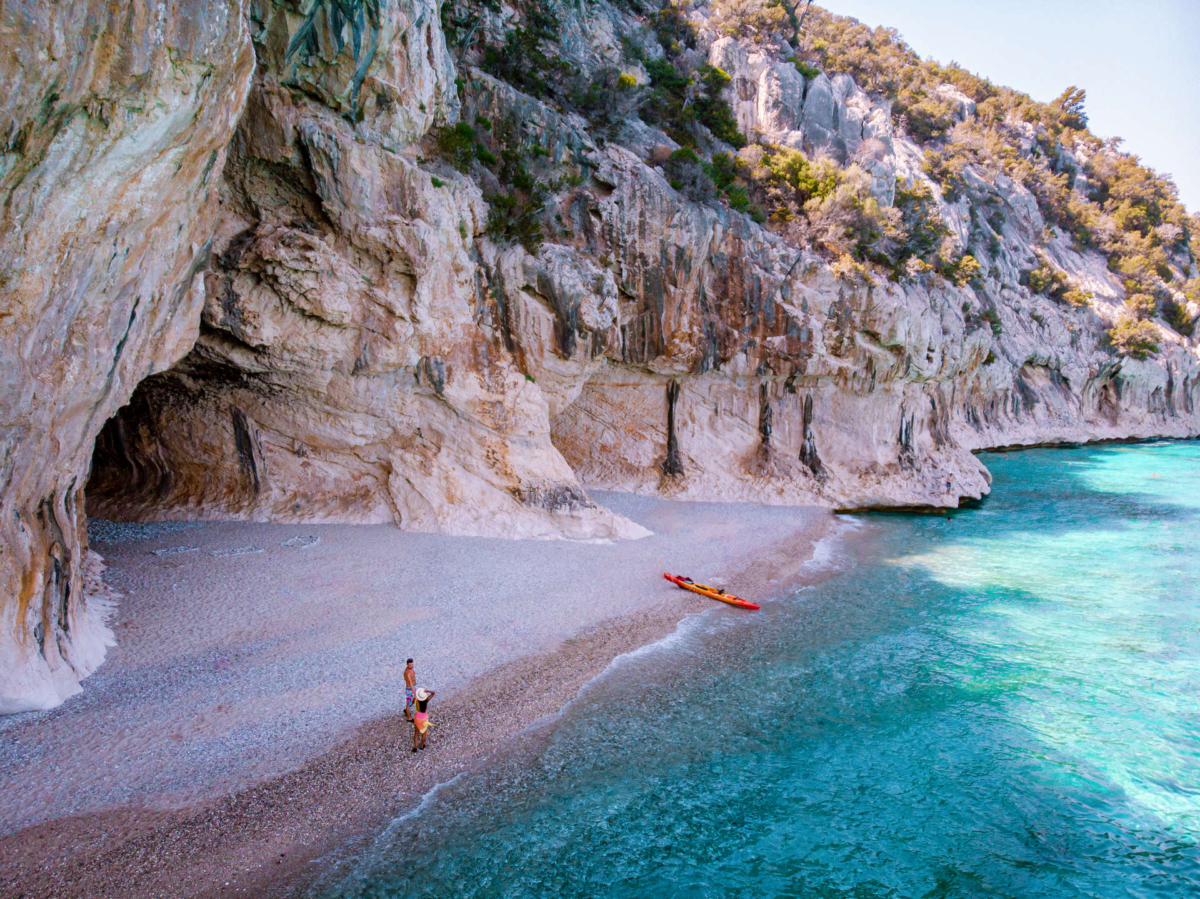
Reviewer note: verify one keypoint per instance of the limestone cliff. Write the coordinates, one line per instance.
(445, 267)
(346, 368)
(113, 134)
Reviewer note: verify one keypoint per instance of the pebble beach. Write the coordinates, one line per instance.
(246, 726)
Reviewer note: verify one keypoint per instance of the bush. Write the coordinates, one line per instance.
(1178, 317)
(1078, 298)
(966, 272)
(1130, 337)
(1046, 280)
(1070, 103)
(704, 182)
(725, 170)
(456, 144)
(523, 60)
(751, 19)
(609, 99)
(512, 218)
(992, 317)
(677, 103)
(687, 175)
(1141, 306)
(711, 109)
(834, 209)
(516, 213)
(922, 230)
(947, 171)
(926, 118)
(809, 72)
(782, 180)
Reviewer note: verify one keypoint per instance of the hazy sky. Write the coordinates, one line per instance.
(1139, 61)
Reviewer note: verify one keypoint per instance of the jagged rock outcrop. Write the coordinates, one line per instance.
(360, 339)
(115, 123)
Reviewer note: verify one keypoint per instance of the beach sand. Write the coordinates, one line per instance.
(246, 727)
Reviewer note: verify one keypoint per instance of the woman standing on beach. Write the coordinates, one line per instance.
(421, 717)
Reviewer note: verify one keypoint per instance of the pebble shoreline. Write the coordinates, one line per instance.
(261, 809)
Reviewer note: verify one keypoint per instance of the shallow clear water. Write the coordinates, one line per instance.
(1002, 703)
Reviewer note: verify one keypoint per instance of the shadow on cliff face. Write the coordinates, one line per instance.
(152, 462)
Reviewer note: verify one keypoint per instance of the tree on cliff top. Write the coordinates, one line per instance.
(1071, 102)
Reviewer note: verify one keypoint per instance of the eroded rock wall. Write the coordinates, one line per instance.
(370, 353)
(800, 380)
(113, 133)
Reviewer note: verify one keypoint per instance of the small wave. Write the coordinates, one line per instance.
(344, 873)
(828, 552)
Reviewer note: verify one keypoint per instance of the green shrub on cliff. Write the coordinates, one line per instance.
(1178, 317)
(1078, 298)
(1141, 306)
(677, 102)
(526, 59)
(966, 272)
(809, 72)
(1046, 280)
(608, 99)
(1070, 102)
(516, 218)
(1130, 337)
(685, 172)
(516, 212)
(947, 170)
(834, 209)
(712, 111)
(457, 144)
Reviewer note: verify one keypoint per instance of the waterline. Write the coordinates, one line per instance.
(1001, 703)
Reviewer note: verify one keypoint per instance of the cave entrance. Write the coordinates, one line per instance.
(177, 450)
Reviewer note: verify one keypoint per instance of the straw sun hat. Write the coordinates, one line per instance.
(422, 694)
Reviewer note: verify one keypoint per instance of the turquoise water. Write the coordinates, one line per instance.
(1001, 703)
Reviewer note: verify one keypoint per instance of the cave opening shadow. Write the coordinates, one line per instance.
(178, 450)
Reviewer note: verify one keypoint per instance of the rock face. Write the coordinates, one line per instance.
(347, 368)
(114, 127)
(354, 343)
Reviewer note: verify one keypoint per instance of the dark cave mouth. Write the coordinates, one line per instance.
(177, 447)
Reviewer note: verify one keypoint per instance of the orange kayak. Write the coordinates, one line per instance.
(687, 583)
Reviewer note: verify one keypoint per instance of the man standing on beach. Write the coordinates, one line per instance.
(410, 687)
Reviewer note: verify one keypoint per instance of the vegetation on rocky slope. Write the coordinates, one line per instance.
(1103, 198)
(973, 133)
